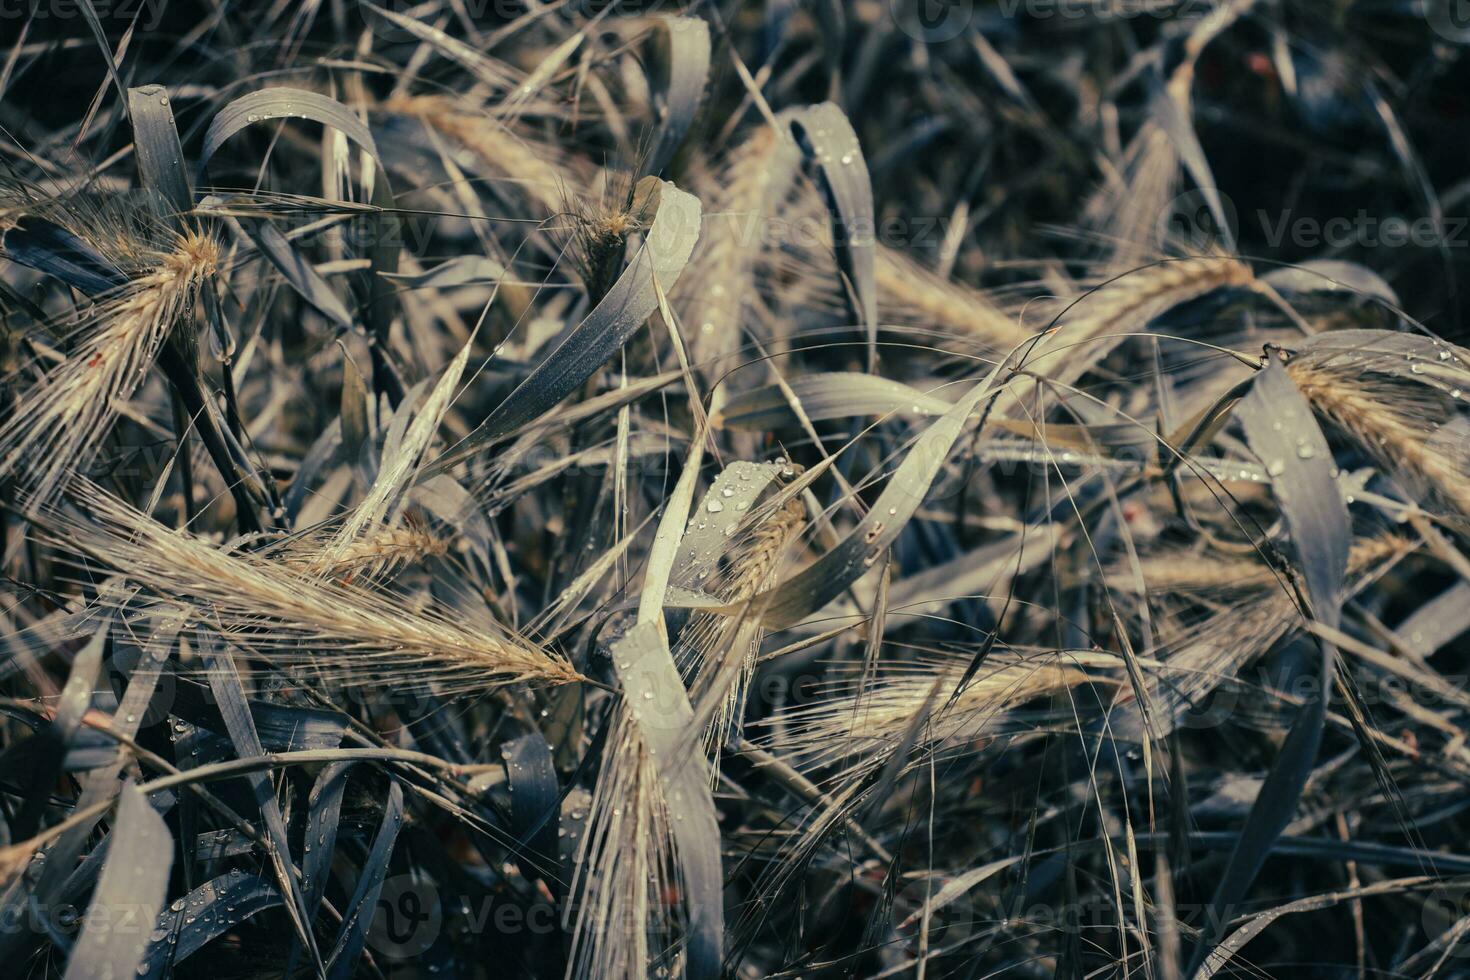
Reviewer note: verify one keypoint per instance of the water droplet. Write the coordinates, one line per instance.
(1305, 451)
(714, 506)
(1276, 467)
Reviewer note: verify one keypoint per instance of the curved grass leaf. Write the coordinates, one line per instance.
(1437, 621)
(631, 300)
(292, 103)
(1257, 923)
(130, 891)
(535, 803)
(830, 145)
(680, 73)
(156, 146)
(826, 578)
(1281, 431)
(205, 914)
(359, 913)
(1331, 275)
(655, 695)
(822, 396)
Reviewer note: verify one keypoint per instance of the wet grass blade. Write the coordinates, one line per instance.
(631, 300)
(660, 707)
(230, 698)
(360, 909)
(1282, 432)
(202, 916)
(830, 145)
(129, 895)
(680, 75)
(161, 165)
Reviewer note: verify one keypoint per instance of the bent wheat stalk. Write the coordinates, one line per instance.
(1395, 422)
(911, 294)
(57, 426)
(743, 193)
(1084, 329)
(540, 172)
(724, 649)
(868, 724)
(351, 636)
(626, 870)
(378, 554)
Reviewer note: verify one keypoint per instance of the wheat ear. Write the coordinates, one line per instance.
(1393, 422)
(350, 635)
(59, 423)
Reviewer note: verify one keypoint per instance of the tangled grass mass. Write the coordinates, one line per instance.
(717, 489)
